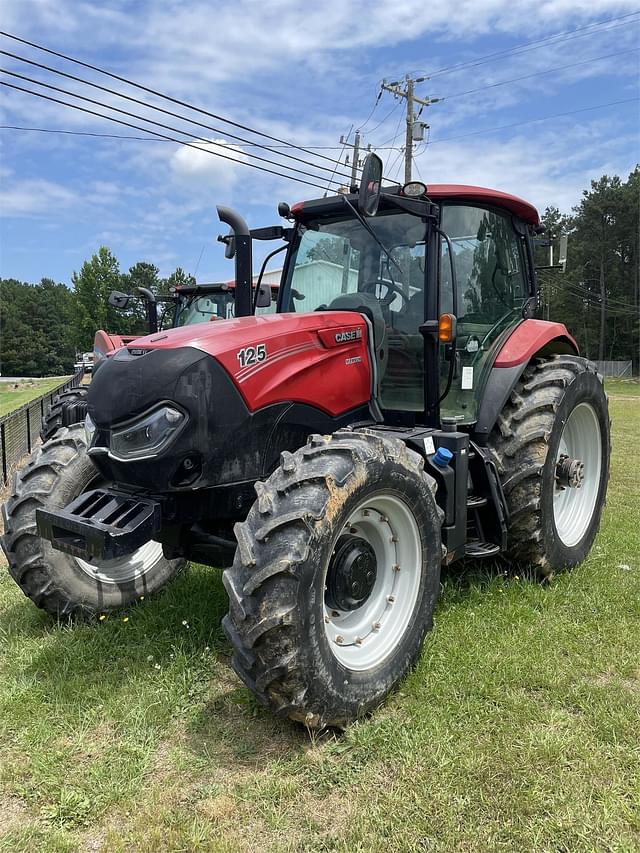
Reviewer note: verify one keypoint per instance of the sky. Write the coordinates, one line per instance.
(308, 74)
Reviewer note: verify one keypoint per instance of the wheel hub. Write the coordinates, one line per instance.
(569, 472)
(352, 573)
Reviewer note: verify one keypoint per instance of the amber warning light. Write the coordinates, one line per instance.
(446, 328)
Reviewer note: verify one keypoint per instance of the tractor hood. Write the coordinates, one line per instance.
(296, 357)
(238, 384)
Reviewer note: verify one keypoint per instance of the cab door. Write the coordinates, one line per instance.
(488, 255)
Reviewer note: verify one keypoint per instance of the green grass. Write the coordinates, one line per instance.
(12, 398)
(518, 731)
(623, 387)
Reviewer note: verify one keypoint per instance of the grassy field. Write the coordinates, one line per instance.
(12, 397)
(518, 731)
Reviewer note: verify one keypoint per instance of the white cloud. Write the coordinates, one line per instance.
(35, 196)
(196, 166)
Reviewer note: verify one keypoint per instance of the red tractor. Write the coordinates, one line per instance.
(413, 415)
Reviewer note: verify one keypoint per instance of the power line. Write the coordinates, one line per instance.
(373, 109)
(533, 120)
(382, 120)
(140, 138)
(538, 73)
(161, 94)
(151, 121)
(153, 107)
(525, 47)
(344, 145)
(160, 135)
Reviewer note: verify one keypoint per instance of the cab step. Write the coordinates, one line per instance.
(475, 501)
(477, 549)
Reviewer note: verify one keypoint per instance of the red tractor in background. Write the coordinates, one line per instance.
(413, 415)
(187, 304)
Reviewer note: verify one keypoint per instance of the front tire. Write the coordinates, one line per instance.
(335, 578)
(556, 416)
(59, 583)
(58, 411)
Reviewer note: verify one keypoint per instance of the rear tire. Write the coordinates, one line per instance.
(557, 408)
(59, 583)
(57, 417)
(302, 656)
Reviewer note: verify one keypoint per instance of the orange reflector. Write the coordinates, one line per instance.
(446, 328)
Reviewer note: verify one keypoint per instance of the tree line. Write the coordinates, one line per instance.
(43, 325)
(598, 297)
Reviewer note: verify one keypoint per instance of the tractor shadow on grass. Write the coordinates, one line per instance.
(466, 576)
(172, 648)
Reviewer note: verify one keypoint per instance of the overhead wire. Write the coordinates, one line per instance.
(538, 74)
(525, 47)
(161, 95)
(162, 136)
(156, 123)
(344, 145)
(373, 109)
(139, 138)
(533, 120)
(140, 102)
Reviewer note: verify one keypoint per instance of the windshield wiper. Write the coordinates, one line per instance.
(364, 222)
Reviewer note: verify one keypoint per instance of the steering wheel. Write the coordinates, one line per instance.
(392, 291)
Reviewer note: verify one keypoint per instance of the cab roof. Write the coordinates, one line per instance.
(440, 192)
(462, 192)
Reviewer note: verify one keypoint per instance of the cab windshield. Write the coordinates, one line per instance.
(338, 265)
(337, 257)
(200, 308)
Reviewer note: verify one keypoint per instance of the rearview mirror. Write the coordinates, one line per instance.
(118, 300)
(370, 184)
(263, 297)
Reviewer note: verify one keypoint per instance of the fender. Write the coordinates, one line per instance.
(529, 339)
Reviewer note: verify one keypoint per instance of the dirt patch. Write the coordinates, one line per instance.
(13, 813)
(606, 679)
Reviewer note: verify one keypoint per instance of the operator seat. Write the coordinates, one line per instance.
(367, 304)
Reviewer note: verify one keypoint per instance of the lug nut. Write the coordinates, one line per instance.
(339, 640)
(358, 641)
(365, 512)
(391, 599)
(326, 619)
(396, 568)
(376, 626)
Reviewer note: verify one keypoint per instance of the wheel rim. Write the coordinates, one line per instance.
(364, 637)
(123, 569)
(574, 507)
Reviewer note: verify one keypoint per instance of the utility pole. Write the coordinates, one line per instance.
(355, 159)
(414, 127)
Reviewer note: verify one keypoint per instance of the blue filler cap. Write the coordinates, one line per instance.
(442, 457)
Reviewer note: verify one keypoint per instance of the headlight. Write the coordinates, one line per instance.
(89, 430)
(147, 436)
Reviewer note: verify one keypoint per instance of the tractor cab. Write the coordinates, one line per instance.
(457, 253)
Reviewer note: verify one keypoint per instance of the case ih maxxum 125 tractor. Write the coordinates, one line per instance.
(191, 304)
(333, 458)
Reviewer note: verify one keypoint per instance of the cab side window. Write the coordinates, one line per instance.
(492, 287)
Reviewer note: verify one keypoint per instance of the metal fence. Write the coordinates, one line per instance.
(20, 429)
(619, 369)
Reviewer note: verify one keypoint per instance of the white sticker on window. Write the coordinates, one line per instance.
(429, 446)
(467, 378)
